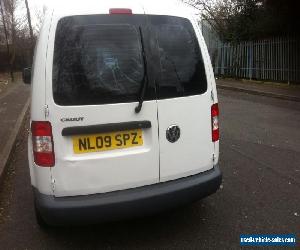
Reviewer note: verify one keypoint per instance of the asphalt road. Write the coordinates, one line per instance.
(260, 159)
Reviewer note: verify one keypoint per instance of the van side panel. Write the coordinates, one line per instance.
(38, 88)
(40, 177)
(210, 78)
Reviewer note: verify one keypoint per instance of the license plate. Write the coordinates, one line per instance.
(108, 141)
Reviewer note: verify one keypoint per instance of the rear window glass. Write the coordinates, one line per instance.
(182, 71)
(97, 64)
(98, 59)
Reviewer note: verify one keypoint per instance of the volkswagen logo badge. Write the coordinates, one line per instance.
(173, 133)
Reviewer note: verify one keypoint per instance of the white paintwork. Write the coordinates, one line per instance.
(194, 151)
(158, 160)
(40, 177)
(109, 170)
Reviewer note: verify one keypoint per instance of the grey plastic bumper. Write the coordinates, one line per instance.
(127, 203)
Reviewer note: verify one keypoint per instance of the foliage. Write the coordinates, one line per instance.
(18, 35)
(240, 20)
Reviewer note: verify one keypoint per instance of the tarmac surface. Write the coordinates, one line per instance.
(270, 89)
(260, 160)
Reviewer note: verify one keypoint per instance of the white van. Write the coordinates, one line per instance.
(124, 113)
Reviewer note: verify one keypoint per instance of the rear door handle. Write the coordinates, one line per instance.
(105, 128)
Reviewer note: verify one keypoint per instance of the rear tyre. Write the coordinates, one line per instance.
(39, 219)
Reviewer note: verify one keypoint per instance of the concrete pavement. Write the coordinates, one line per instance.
(14, 104)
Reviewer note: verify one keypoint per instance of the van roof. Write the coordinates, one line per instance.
(155, 7)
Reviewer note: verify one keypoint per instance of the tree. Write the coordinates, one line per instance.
(232, 19)
(10, 7)
(39, 16)
(4, 20)
(282, 16)
(239, 20)
(19, 35)
(30, 27)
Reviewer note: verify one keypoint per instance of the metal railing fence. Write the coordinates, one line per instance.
(274, 59)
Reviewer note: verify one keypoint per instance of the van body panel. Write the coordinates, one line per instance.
(158, 161)
(106, 171)
(40, 177)
(81, 174)
(189, 108)
(210, 79)
(38, 89)
(142, 164)
(193, 152)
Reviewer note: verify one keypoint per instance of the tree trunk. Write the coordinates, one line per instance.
(31, 31)
(7, 44)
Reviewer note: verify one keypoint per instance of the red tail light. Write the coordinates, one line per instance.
(42, 141)
(120, 11)
(215, 122)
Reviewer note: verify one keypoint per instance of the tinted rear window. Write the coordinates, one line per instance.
(98, 59)
(96, 64)
(182, 71)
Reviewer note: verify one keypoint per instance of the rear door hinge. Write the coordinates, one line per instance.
(53, 185)
(46, 111)
(212, 96)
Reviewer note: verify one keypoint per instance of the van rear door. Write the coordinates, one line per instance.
(93, 85)
(184, 100)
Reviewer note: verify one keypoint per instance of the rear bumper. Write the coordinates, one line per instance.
(127, 203)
